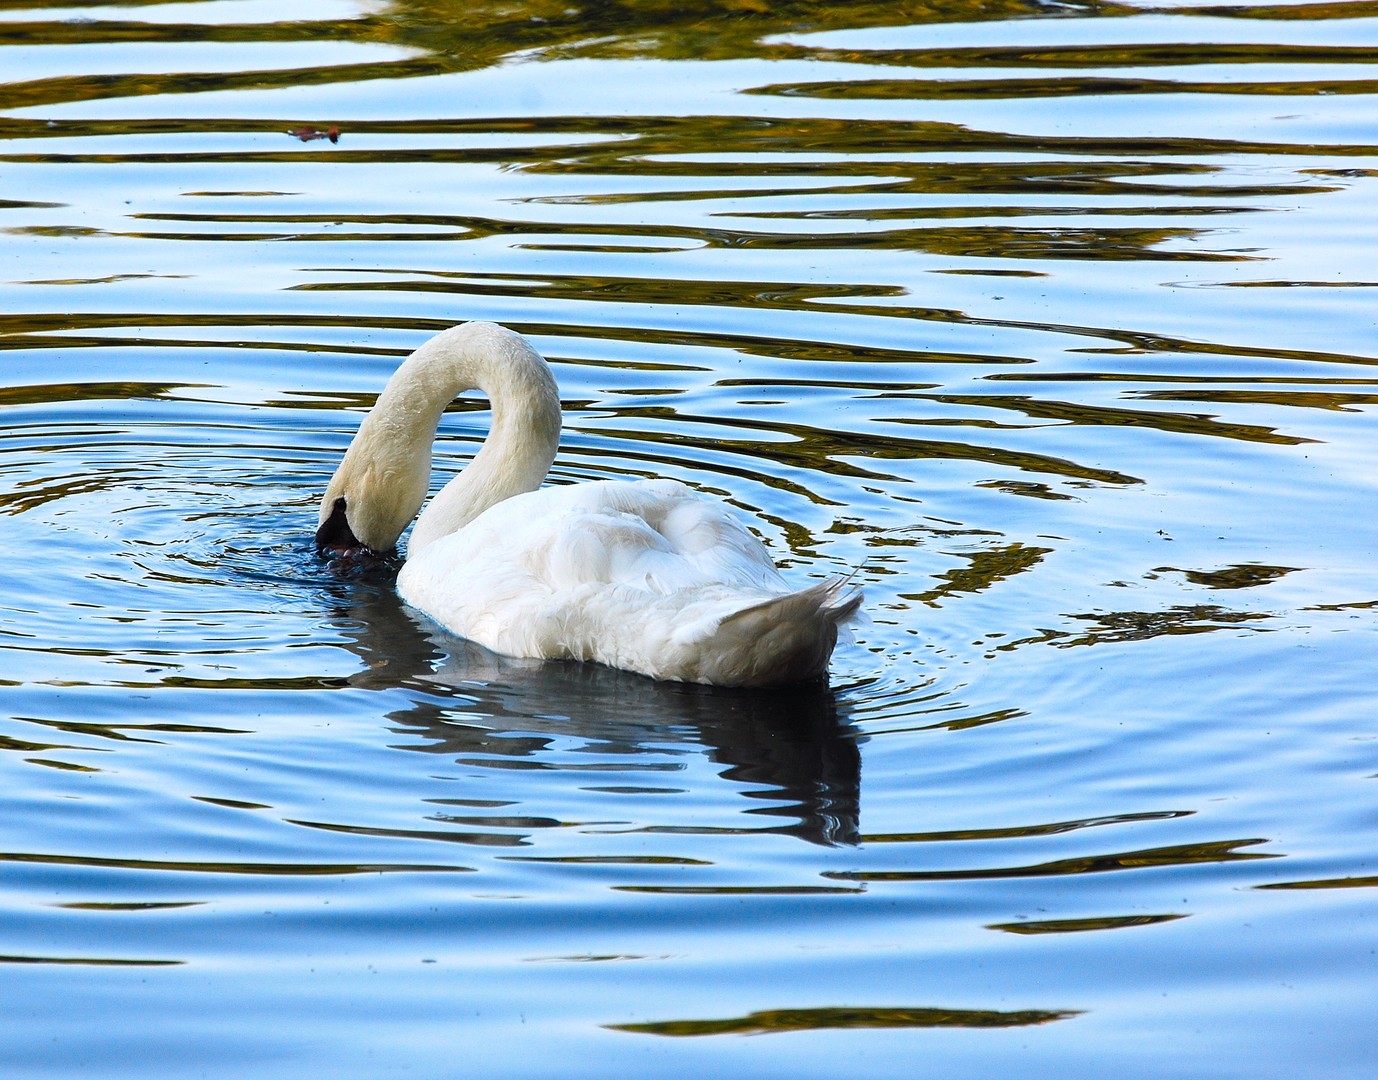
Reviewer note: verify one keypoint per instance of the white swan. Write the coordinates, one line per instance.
(644, 575)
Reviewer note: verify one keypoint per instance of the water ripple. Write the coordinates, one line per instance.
(1046, 322)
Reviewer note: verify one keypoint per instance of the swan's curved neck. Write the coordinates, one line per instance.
(386, 471)
(524, 436)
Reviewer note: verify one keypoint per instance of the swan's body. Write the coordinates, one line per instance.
(641, 575)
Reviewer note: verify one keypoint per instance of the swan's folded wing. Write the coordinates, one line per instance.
(657, 535)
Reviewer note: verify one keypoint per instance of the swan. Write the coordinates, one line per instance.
(647, 575)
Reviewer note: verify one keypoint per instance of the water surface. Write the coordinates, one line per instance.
(1055, 322)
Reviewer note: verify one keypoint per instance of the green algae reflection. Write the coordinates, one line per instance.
(776, 1021)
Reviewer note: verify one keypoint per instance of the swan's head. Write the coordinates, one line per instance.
(373, 495)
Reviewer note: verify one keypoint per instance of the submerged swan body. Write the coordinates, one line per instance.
(647, 576)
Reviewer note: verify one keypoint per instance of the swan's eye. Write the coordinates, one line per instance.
(335, 537)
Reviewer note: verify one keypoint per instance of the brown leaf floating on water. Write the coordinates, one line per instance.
(309, 133)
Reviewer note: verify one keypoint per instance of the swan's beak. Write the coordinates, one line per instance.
(335, 538)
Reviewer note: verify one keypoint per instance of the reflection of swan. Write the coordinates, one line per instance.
(645, 576)
(794, 754)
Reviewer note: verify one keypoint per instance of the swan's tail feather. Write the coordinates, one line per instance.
(784, 639)
(833, 599)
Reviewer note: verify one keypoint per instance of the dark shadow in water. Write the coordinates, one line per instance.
(792, 746)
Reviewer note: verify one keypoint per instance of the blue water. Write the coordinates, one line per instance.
(1054, 323)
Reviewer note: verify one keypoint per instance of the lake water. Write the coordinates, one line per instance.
(1054, 321)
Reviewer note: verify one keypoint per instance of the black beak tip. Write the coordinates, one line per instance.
(335, 538)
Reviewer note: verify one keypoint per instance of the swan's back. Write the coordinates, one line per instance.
(645, 576)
